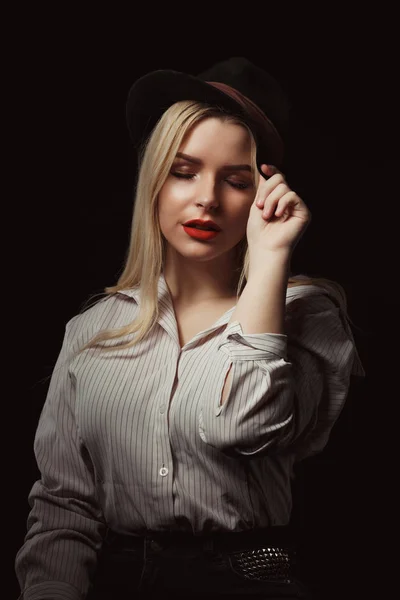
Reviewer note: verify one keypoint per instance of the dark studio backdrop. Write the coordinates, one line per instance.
(343, 160)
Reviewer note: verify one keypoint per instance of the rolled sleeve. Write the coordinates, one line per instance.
(252, 346)
(65, 524)
(51, 590)
(258, 409)
(287, 391)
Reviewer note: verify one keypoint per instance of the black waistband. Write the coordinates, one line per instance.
(277, 536)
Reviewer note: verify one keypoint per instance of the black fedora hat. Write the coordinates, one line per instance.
(236, 85)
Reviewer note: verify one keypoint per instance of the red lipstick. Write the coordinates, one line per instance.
(205, 230)
(200, 234)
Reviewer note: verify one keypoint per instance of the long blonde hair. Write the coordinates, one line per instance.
(146, 253)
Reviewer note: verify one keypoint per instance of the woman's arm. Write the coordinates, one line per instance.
(261, 306)
(65, 524)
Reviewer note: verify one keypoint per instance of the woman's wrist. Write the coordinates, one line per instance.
(270, 261)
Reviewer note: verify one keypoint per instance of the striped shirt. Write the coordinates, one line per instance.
(136, 439)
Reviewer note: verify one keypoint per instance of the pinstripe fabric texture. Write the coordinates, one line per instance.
(136, 439)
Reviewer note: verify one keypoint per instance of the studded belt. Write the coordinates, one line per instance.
(268, 564)
(259, 554)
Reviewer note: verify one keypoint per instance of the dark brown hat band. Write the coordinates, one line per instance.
(254, 112)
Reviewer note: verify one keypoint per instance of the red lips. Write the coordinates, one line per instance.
(200, 234)
(210, 225)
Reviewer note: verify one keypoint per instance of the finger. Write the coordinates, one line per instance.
(269, 169)
(274, 197)
(259, 200)
(288, 201)
(264, 191)
(266, 186)
(287, 204)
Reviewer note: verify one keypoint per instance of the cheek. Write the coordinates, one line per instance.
(169, 208)
(171, 196)
(164, 200)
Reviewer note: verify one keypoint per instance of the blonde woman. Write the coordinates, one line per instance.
(181, 400)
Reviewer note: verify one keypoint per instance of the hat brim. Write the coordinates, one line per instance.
(151, 95)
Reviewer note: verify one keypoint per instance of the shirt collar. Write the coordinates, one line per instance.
(166, 316)
(163, 291)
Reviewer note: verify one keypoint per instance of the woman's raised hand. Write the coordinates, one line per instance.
(278, 216)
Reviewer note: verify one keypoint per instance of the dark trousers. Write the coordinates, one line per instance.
(165, 566)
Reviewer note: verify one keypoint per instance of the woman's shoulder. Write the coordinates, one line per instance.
(305, 292)
(109, 312)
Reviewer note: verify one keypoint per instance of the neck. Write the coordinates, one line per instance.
(192, 282)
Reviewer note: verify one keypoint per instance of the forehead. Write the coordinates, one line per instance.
(214, 136)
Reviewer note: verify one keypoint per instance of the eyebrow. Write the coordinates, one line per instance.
(198, 161)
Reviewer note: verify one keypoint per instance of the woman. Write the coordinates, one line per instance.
(181, 401)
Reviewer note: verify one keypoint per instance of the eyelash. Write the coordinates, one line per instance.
(238, 186)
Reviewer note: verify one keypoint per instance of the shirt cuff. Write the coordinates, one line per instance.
(51, 590)
(252, 346)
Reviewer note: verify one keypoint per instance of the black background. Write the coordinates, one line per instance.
(75, 171)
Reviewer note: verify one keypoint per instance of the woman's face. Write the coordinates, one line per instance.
(210, 179)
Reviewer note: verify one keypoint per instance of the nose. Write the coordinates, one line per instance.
(207, 196)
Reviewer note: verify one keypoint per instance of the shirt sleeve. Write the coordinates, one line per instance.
(65, 524)
(324, 357)
(286, 390)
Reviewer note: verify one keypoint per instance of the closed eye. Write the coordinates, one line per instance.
(239, 186)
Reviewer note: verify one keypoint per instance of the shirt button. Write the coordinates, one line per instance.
(163, 471)
(162, 408)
